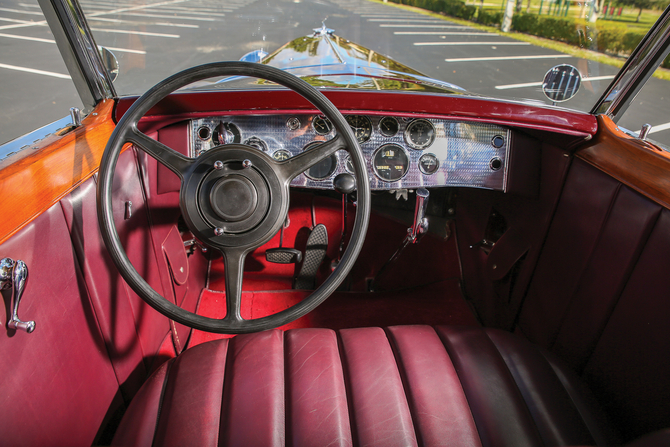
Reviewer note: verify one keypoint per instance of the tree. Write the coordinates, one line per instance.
(519, 5)
(507, 18)
(641, 4)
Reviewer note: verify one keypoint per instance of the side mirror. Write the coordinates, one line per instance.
(110, 62)
(561, 83)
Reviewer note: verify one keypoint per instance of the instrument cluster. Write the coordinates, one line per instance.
(400, 151)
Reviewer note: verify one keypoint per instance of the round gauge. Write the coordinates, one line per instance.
(388, 126)
(204, 133)
(293, 123)
(257, 143)
(349, 165)
(321, 125)
(428, 164)
(361, 125)
(226, 133)
(323, 169)
(420, 134)
(281, 155)
(390, 162)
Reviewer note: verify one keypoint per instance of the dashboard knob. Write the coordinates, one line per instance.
(344, 183)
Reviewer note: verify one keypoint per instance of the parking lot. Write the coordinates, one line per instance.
(153, 39)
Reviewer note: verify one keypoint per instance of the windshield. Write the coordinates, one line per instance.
(449, 47)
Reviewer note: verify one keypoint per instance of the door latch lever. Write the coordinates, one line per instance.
(13, 275)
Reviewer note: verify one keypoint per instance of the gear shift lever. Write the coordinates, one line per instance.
(419, 227)
(420, 224)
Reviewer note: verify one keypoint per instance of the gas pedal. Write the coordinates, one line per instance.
(315, 251)
(283, 255)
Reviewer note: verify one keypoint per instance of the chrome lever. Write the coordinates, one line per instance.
(13, 274)
(420, 224)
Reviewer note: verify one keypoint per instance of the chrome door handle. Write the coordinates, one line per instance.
(13, 274)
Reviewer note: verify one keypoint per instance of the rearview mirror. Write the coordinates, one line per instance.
(110, 62)
(561, 83)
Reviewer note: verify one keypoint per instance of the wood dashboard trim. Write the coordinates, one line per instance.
(637, 164)
(36, 178)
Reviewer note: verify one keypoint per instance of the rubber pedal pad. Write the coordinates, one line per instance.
(315, 252)
(283, 255)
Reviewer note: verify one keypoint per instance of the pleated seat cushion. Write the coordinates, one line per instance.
(404, 385)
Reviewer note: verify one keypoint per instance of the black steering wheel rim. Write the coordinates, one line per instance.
(126, 131)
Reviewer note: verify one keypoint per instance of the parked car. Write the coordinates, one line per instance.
(320, 245)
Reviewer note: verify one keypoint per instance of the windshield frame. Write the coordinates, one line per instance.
(80, 53)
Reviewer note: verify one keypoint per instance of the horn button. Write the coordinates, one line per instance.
(234, 198)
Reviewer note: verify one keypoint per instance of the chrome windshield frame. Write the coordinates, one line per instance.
(641, 64)
(79, 51)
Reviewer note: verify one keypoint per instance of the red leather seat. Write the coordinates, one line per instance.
(403, 385)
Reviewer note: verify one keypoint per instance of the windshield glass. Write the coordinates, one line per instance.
(449, 46)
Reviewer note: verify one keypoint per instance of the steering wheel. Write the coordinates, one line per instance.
(234, 198)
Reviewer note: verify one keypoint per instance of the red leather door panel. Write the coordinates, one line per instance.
(57, 383)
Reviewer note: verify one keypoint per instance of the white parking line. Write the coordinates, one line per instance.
(161, 16)
(659, 128)
(125, 50)
(7, 19)
(538, 84)
(477, 59)
(39, 39)
(138, 22)
(190, 11)
(393, 25)
(32, 70)
(139, 33)
(442, 33)
(422, 44)
(19, 11)
(34, 39)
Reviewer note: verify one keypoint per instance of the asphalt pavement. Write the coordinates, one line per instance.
(153, 39)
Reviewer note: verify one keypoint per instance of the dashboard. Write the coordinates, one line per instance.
(401, 152)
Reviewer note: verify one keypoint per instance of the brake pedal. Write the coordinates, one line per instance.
(315, 251)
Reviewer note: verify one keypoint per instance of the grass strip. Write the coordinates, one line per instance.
(660, 73)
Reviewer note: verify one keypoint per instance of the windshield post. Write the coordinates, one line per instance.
(79, 50)
(641, 64)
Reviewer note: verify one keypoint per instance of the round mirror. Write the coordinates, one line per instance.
(110, 62)
(561, 83)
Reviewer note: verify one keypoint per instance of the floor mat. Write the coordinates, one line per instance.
(437, 303)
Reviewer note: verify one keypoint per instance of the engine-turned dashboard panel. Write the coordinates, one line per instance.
(400, 151)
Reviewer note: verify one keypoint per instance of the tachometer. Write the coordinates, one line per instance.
(361, 125)
(420, 134)
(390, 162)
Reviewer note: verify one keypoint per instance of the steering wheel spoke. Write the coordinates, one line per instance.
(165, 155)
(233, 260)
(300, 163)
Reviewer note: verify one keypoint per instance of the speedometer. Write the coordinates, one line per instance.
(390, 162)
